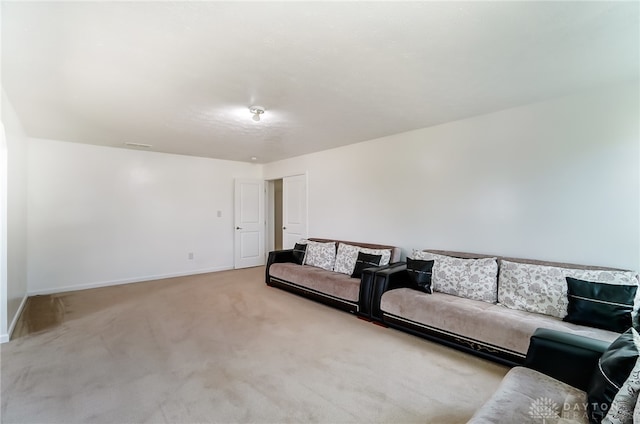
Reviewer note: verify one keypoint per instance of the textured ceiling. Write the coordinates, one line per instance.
(181, 75)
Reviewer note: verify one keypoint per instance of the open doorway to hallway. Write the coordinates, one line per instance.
(277, 214)
(286, 205)
(274, 206)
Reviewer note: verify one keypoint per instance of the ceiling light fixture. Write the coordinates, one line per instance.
(256, 111)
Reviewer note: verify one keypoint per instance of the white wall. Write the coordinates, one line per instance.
(100, 215)
(13, 270)
(4, 334)
(557, 180)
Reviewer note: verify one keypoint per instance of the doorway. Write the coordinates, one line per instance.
(274, 207)
(286, 211)
(277, 214)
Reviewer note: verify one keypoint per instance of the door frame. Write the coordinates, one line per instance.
(269, 205)
(269, 216)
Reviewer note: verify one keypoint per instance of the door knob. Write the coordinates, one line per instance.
(284, 228)
(238, 228)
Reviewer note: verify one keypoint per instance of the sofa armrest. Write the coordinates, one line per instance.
(367, 283)
(278, 256)
(375, 270)
(387, 279)
(566, 357)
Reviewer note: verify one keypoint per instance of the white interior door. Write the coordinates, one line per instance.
(294, 210)
(249, 224)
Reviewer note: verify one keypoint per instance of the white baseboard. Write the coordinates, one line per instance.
(124, 281)
(16, 317)
(6, 337)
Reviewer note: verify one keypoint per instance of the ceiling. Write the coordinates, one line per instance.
(181, 76)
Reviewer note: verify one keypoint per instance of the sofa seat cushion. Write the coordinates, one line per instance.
(527, 396)
(484, 322)
(332, 283)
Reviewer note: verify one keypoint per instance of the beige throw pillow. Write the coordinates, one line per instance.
(543, 289)
(321, 255)
(475, 279)
(384, 253)
(346, 258)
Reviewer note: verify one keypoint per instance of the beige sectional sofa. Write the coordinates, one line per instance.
(568, 379)
(488, 305)
(329, 280)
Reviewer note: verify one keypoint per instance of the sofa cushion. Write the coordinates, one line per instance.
(299, 250)
(527, 396)
(321, 255)
(543, 289)
(614, 387)
(601, 305)
(624, 403)
(384, 253)
(394, 253)
(469, 278)
(574, 408)
(478, 321)
(346, 258)
(420, 273)
(364, 261)
(332, 283)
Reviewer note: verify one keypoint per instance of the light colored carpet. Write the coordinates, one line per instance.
(226, 348)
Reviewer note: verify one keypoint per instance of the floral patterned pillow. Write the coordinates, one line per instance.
(418, 255)
(348, 255)
(543, 289)
(385, 253)
(636, 411)
(346, 258)
(321, 255)
(469, 278)
(613, 390)
(624, 403)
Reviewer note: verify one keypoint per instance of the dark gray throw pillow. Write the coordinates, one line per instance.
(365, 260)
(614, 367)
(298, 252)
(600, 305)
(420, 273)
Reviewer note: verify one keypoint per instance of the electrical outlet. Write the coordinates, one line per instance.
(190, 255)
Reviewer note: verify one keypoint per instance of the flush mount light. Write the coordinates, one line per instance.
(256, 111)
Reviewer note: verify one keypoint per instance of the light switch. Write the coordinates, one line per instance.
(219, 214)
